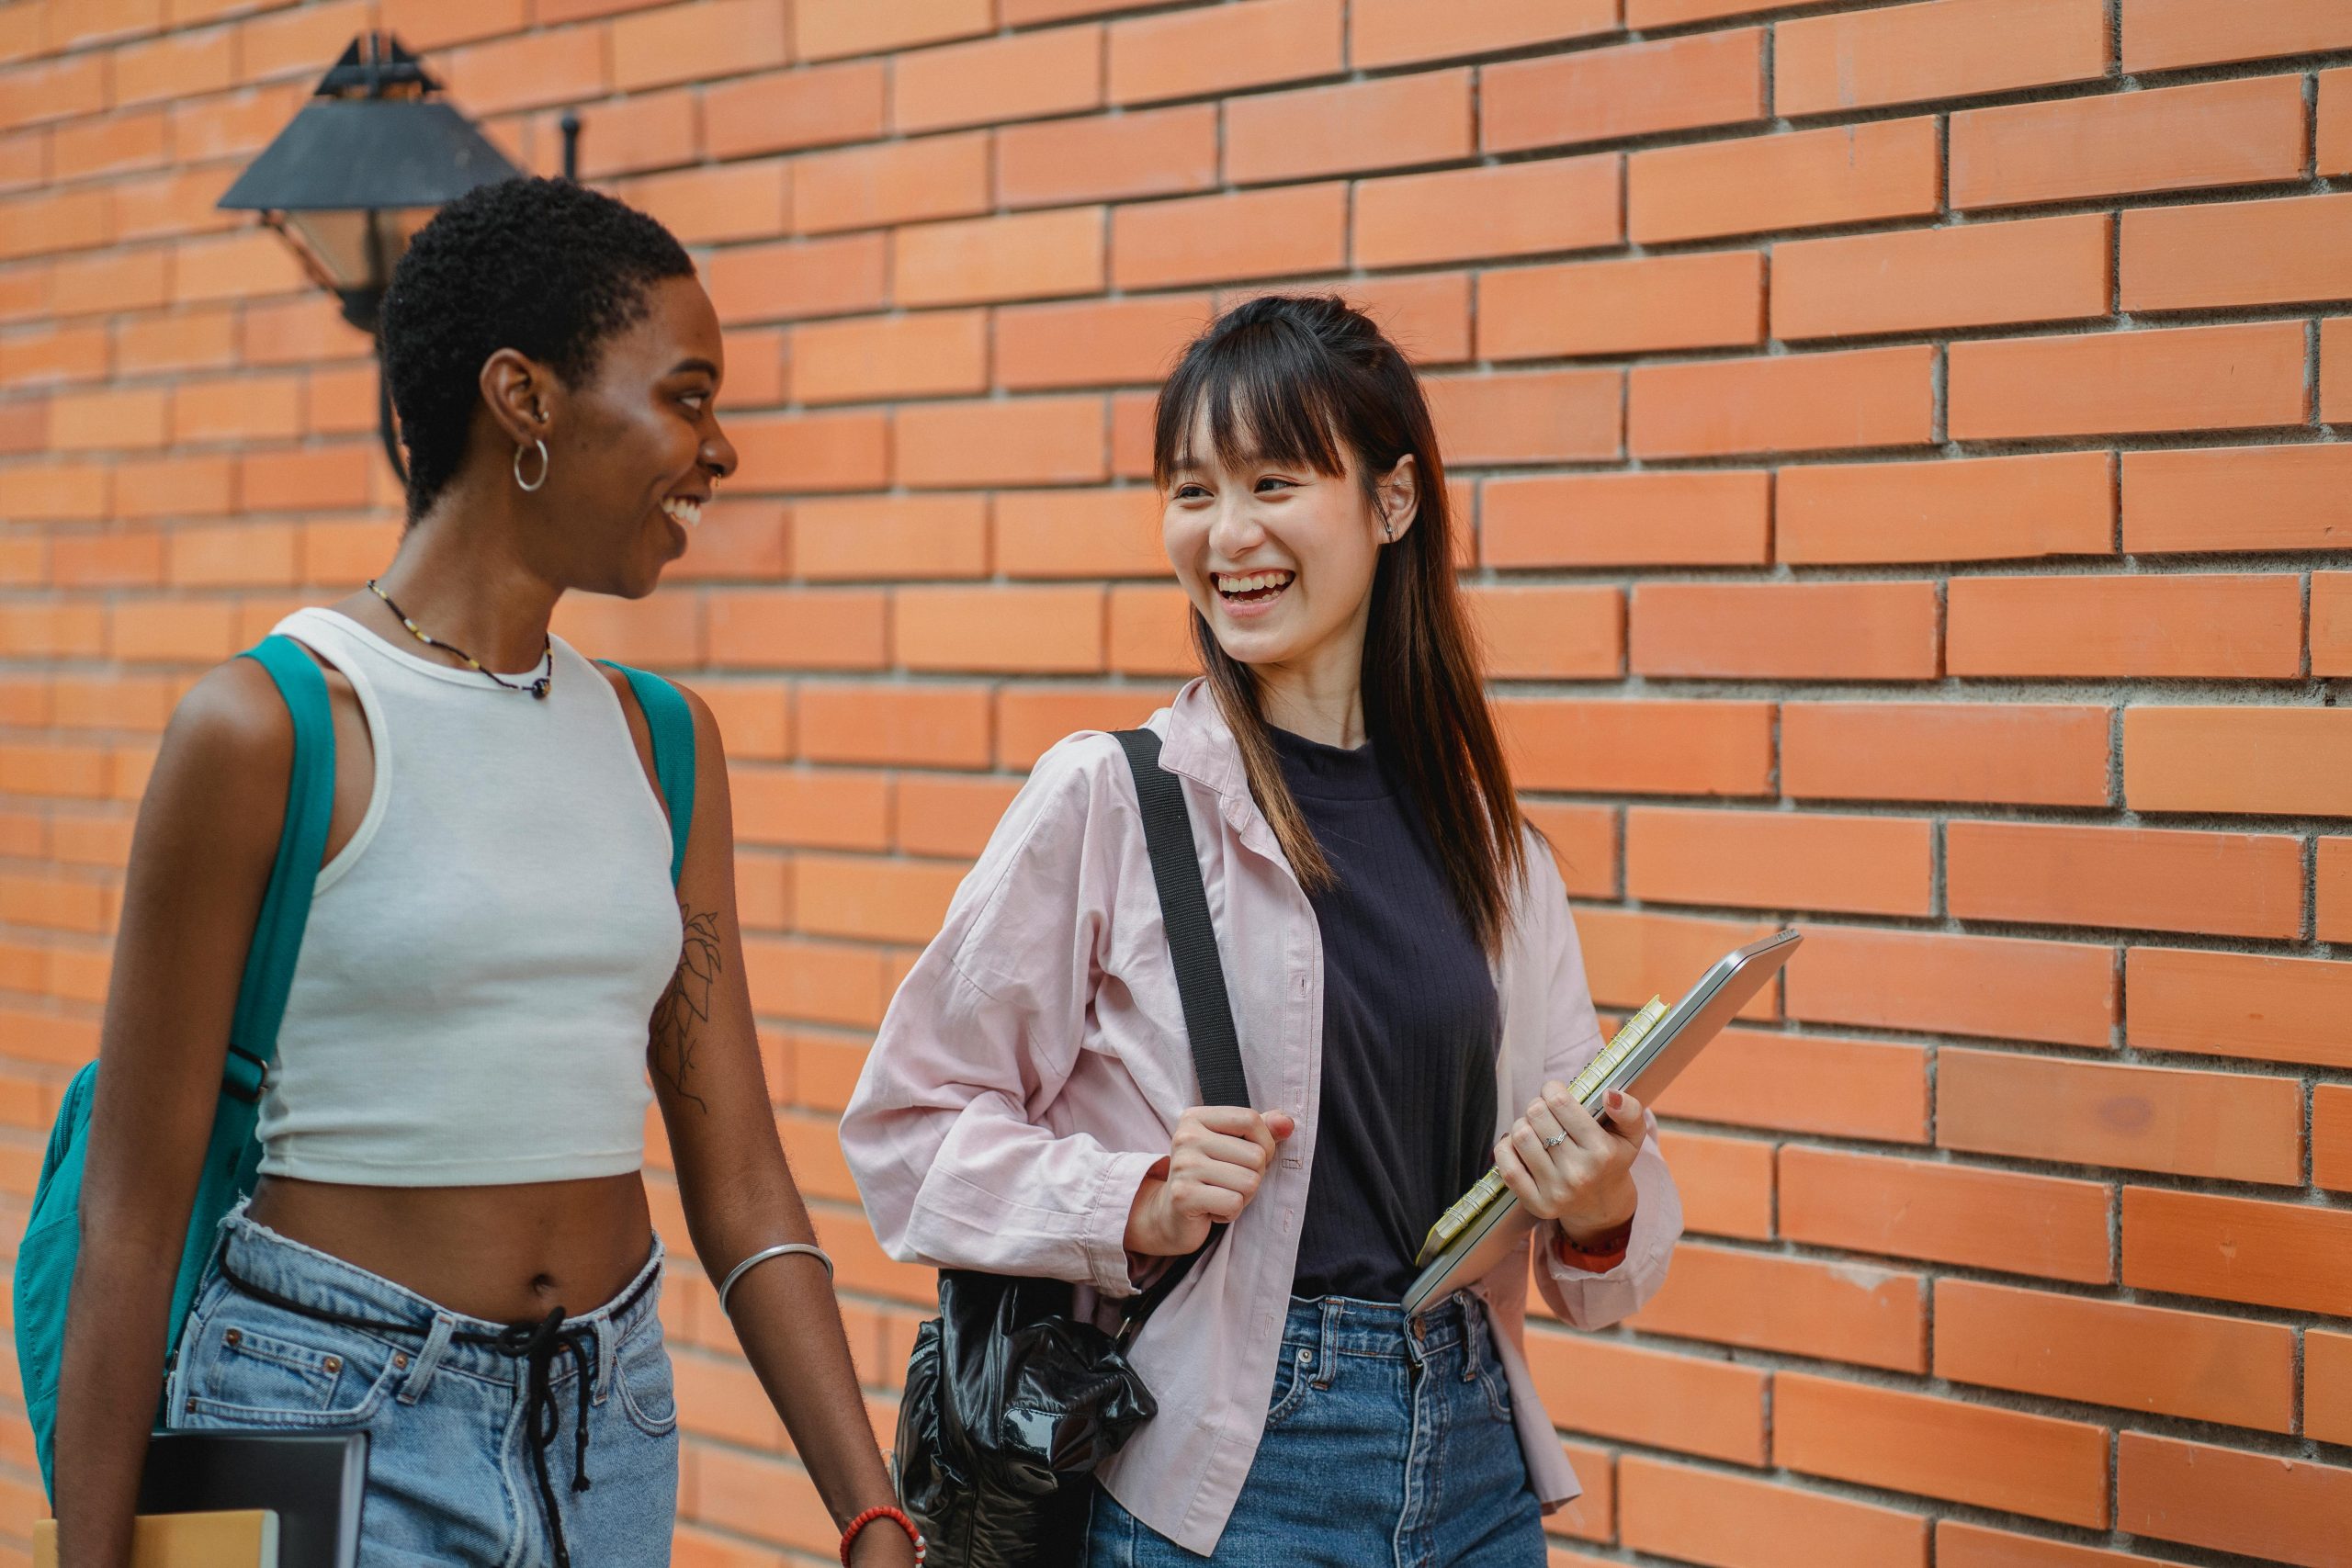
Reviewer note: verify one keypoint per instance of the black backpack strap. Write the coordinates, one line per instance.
(1184, 910)
(1200, 977)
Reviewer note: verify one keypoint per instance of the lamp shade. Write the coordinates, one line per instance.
(357, 153)
(362, 167)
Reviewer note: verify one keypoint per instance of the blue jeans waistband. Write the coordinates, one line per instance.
(321, 1282)
(1346, 1325)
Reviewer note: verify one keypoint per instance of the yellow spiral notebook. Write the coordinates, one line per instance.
(244, 1537)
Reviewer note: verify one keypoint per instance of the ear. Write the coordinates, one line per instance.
(521, 394)
(1399, 493)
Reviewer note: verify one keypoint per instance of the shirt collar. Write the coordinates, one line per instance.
(1197, 742)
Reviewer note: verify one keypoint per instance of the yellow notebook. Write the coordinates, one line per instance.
(246, 1538)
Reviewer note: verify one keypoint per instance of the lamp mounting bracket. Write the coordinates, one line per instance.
(376, 66)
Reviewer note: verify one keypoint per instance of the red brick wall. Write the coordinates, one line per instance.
(1905, 505)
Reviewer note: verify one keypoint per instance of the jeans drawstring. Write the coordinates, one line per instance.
(536, 1345)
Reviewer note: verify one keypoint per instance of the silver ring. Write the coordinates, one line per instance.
(1553, 1143)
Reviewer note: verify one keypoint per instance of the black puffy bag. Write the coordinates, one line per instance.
(1012, 1403)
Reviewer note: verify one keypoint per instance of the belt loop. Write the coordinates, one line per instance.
(1327, 1364)
(608, 1351)
(428, 1359)
(1474, 1338)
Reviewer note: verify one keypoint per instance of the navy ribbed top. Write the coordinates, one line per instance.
(1411, 1028)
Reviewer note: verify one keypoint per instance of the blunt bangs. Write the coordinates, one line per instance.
(1272, 393)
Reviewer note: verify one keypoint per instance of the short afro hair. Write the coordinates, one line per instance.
(543, 267)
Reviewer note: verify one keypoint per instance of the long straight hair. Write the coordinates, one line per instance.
(1310, 381)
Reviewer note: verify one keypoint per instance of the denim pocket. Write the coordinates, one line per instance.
(648, 1389)
(1497, 1386)
(1293, 1379)
(267, 1368)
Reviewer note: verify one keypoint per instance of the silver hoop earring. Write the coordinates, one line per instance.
(1388, 530)
(533, 484)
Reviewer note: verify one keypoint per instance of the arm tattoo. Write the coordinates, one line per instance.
(684, 1012)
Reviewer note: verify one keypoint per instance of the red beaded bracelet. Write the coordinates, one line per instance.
(849, 1536)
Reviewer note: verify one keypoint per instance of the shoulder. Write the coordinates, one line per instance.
(225, 758)
(1089, 758)
(1083, 776)
(708, 743)
(1054, 856)
(1542, 870)
(617, 678)
(1077, 797)
(1539, 903)
(233, 716)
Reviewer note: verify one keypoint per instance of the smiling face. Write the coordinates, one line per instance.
(638, 446)
(1279, 557)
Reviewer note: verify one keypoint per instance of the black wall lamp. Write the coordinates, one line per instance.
(359, 171)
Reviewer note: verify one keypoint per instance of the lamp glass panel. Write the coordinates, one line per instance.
(395, 228)
(340, 245)
(355, 249)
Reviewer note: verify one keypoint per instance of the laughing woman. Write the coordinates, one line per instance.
(453, 1132)
(1407, 985)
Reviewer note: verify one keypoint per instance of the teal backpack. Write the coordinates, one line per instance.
(53, 1235)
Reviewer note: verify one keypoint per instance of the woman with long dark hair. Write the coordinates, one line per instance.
(450, 1245)
(1405, 977)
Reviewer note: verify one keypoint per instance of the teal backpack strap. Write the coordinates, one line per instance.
(673, 723)
(232, 1158)
(286, 907)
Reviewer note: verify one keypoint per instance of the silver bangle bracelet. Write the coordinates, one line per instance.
(763, 1256)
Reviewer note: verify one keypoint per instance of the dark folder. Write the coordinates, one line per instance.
(312, 1481)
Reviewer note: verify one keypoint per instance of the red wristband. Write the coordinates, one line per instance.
(849, 1536)
(1606, 1252)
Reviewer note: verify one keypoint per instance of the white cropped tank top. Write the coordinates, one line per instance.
(470, 1004)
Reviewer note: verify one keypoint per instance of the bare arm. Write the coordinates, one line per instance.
(739, 1196)
(199, 862)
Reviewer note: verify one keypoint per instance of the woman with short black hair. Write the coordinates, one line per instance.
(451, 1243)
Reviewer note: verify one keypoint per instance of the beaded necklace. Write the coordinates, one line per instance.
(537, 688)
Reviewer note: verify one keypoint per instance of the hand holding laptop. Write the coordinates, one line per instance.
(1575, 1166)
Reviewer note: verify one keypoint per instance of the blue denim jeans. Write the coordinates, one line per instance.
(452, 1470)
(1389, 1444)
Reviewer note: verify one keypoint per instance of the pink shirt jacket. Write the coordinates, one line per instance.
(1032, 1068)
